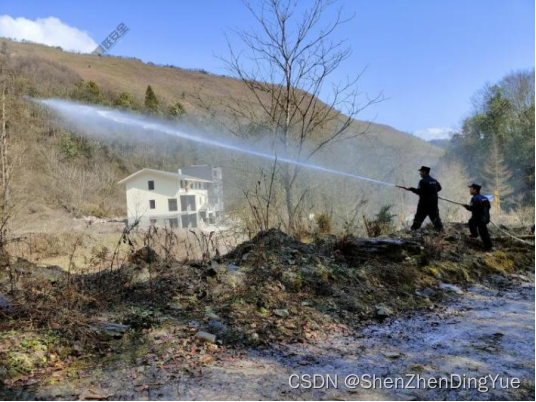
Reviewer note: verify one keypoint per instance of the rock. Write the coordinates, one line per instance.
(5, 304)
(391, 355)
(426, 292)
(496, 279)
(110, 330)
(205, 336)
(522, 278)
(283, 313)
(382, 311)
(217, 327)
(450, 288)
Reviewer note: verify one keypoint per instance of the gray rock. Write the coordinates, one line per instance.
(383, 311)
(522, 278)
(217, 327)
(496, 279)
(205, 336)
(283, 313)
(391, 355)
(450, 288)
(426, 292)
(5, 304)
(110, 330)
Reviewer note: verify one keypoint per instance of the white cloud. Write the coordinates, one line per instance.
(434, 133)
(49, 31)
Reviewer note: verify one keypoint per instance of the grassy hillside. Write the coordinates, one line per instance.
(62, 159)
(172, 84)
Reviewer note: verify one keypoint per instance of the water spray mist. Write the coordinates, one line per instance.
(72, 111)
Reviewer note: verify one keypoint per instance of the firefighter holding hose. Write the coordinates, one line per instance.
(428, 200)
(480, 217)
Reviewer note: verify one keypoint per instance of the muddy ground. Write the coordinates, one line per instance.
(488, 329)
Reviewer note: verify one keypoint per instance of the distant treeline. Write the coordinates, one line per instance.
(496, 141)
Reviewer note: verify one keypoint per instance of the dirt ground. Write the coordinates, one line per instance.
(485, 330)
(159, 328)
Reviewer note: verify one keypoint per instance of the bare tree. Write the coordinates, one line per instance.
(285, 68)
(8, 93)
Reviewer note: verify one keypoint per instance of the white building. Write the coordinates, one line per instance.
(156, 197)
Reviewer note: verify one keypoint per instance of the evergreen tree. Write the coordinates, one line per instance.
(151, 101)
(497, 177)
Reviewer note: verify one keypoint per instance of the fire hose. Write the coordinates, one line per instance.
(493, 223)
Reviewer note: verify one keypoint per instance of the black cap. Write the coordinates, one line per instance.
(477, 187)
(424, 169)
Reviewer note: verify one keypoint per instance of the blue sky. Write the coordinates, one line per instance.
(428, 57)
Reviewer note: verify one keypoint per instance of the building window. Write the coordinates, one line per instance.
(172, 204)
(174, 223)
(152, 204)
(152, 221)
(150, 184)
(182, 183)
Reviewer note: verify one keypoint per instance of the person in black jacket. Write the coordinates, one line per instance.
(480, 217)
(427, 206)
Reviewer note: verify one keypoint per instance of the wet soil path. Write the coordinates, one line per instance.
(484, 331)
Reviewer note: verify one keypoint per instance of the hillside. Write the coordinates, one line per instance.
(383, 152)
(173, 83)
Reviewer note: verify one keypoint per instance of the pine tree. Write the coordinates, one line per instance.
(496, 175)
(151, 101)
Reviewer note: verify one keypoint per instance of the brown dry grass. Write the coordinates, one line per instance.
(176, 84)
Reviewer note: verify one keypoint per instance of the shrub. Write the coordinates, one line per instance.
(324, 223)
(176, 111)
(87, 92)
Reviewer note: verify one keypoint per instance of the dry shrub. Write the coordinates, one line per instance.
(324, 223)
(60, 306)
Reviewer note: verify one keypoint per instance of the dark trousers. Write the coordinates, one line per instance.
(478, 227)
(423, 211)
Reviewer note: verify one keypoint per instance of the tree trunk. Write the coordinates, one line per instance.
(4, 153)
(288, 188)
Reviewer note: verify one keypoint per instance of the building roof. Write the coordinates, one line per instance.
(170, 175)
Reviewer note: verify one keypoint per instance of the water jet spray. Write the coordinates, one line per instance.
(71, 110)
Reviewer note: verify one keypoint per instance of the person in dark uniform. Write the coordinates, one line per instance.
(480, 217)
(427, 206)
